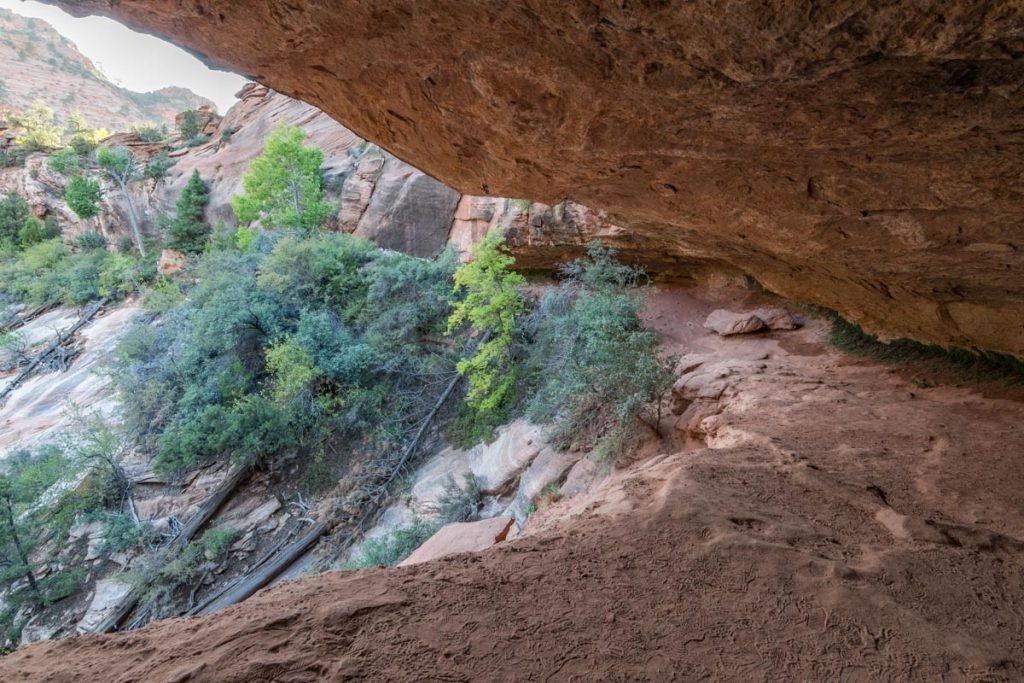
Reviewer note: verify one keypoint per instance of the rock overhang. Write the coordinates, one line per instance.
(860, 155)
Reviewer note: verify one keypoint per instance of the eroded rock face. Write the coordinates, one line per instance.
(859, 154)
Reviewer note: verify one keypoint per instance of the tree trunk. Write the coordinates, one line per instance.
(21, 551)
(133, 218)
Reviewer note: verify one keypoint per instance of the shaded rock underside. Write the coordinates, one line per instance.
(863, 155)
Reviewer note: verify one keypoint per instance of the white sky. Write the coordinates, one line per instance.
(135, 60)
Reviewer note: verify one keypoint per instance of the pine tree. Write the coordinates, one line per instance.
(188, 230)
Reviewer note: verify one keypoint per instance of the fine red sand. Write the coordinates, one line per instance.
(842, 525)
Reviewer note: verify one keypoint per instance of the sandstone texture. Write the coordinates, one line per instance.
(462, 537)
(859, 154)
(881, 545)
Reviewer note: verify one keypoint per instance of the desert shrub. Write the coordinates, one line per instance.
(151, 132)
(459, 503)
(83, 196)
(197, 140)
(389, 551)
(189, 123)
(121, 533)
(34, 231)
(157, 577)
(594, 366)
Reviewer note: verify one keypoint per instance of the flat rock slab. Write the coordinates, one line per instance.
(108, 594)
(464, 537)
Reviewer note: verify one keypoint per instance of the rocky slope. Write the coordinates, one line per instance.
(884, 544)
(42, 64)
(863, 155)
(377, 195)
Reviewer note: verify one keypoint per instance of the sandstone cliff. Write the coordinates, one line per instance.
(39, 63)
(862, 155)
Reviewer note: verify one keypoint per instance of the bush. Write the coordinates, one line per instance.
(197, 140)
(189, 123)
(158, 165)
(64, 162)
(151, 132)
(83, 196)
(459, 503)
(91, 240)
(387, 552)
(35, 231)
(14, 211)
(121, 533)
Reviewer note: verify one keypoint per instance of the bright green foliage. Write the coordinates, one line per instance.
(83, 196)
(189, 124)
(14, 211)
(284, 187)
(593, 366)
(387, 552)
(76, 123)
(188, 231)
(292, 370)
(490, 304)
(49, 272)
(64, 162)
(37, 128)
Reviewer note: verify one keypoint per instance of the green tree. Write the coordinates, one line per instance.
(120, 165)
(39, 130)
(189, 124)
(284, 187)
(188, 230)
(76, 123)
(64, 162)
(83, 196)
(34, 231)
(490, 304)
(14, 211)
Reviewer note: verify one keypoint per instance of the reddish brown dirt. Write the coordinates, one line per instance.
(842, 524)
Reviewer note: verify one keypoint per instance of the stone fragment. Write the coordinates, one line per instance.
(464, 537)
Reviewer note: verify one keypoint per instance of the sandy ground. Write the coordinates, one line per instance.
(836, 522)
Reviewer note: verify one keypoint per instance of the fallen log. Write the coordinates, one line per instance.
(22, 320)
(62, 338)
(206, 511)
(257, 579)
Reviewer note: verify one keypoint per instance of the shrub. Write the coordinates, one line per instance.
(459, 503)
(64, 162)
(188, 124)
(158, 165)
(197, 140)
(83, 196)
(35, 230)
(490, 304)
(151, 132)
(387, 552)
(91, 240)
(14, 211)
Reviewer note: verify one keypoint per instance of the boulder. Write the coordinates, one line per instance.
(171, 261)
(497, 464)
(464, 537)
(549, 467)
(727, 323)
(108, 593)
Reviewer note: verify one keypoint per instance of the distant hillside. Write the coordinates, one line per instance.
(41, 63)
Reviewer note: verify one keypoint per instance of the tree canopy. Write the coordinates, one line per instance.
(284, 187)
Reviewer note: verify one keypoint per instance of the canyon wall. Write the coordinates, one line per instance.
(862, 155)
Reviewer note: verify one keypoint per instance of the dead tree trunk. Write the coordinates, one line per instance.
(206, 511)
